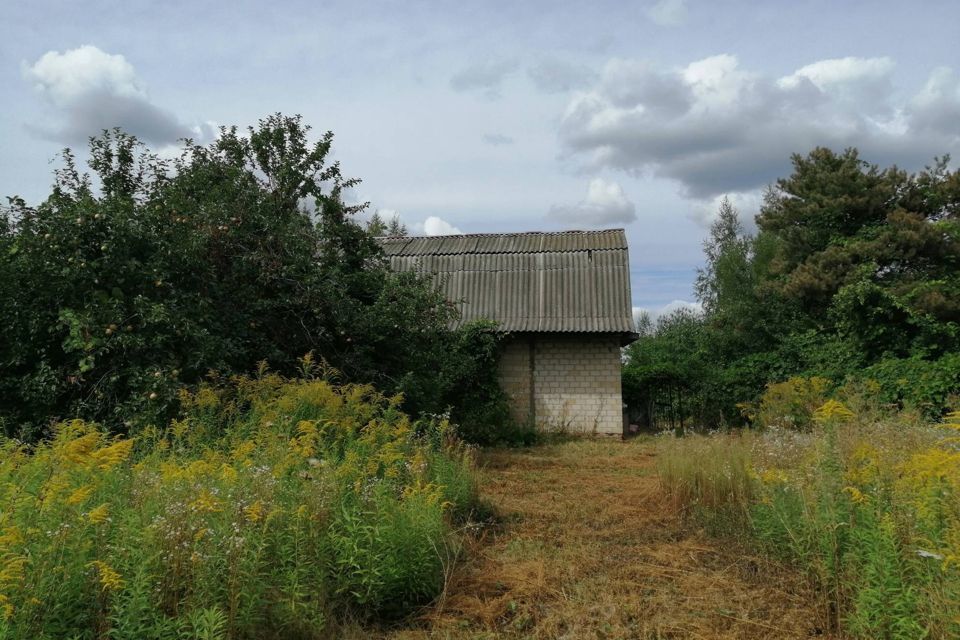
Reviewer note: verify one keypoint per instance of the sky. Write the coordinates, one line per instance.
(487, 117)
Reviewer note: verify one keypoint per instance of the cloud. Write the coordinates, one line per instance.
(434, 226)
(863, 83)
(496, 139)
(551, 75)
(746, 203)
(605, 203)
(656, 313)
(936, 108)
(93, 90)
(485, 77)
(717, 128)
(668, 13)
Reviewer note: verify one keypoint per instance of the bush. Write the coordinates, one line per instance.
(114, 297)
(270, 509)
(791, 403)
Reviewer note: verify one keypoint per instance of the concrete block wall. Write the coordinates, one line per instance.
(571, 381)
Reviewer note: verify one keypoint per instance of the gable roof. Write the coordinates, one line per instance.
(570, 281)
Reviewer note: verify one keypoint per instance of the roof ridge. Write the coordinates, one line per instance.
(510, 233)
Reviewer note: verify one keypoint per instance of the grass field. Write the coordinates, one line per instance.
(587, 546)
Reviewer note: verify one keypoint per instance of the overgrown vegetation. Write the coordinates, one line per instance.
(127, 285)
(273, 508)
(865, 499)
(853, 273)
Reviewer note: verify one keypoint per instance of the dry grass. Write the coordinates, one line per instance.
(589, 547)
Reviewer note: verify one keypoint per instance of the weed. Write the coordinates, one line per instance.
(866, 501)
(270, 509)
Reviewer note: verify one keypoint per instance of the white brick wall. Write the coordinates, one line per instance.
(575, 381)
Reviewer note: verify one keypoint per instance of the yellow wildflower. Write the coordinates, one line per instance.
(12, 569)
(205, 502)
(170, 471)
(99, 514)
(78, 450)
(179, 428)
(254, 512)
(80, 495)
(856, 495)
(11, 537)
(832, 410)
(864, 465)
(53, 487)
(228, 473)
(109, 457)
(773, 476)
(110, 580)
(242, 452)
(6, 609)
(198, 469)
(206, 399)
(952, 420)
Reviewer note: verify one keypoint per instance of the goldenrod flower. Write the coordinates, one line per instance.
(254, 513)
(228, 473)
(78, 449)
(205, 502)
(99, 514)
(110, 580)
(773, 476)
(832, 410)
(6, 609)
(109, 457)
(243, 450)
(80, 495)
(856, 496)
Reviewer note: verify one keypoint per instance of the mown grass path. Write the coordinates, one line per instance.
(589, 548)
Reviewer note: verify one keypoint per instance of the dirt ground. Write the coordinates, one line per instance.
(588, 547)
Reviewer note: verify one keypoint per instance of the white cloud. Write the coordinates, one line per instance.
(69, 76)
(746, 203)
(485, 77)
(716, 128)
(839, 72)
(431, 226)
(668, 13)
(936, 108)
(93, 90)
(434, 226)
(863, 83)
(606, 203)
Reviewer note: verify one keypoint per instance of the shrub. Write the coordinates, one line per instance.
(121, 289)
(270, 509)
(791, 403)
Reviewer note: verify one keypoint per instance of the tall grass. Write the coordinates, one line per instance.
(868, 504)
(708, 478)
(272, 509)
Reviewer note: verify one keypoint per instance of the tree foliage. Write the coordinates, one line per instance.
(378, 227)
(128, 283)
(854, 272)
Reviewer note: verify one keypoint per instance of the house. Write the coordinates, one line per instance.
(564, 301)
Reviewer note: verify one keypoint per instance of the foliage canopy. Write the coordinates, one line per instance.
(853, 272)
(124, 285)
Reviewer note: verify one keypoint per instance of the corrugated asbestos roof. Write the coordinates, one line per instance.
(576, 281)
